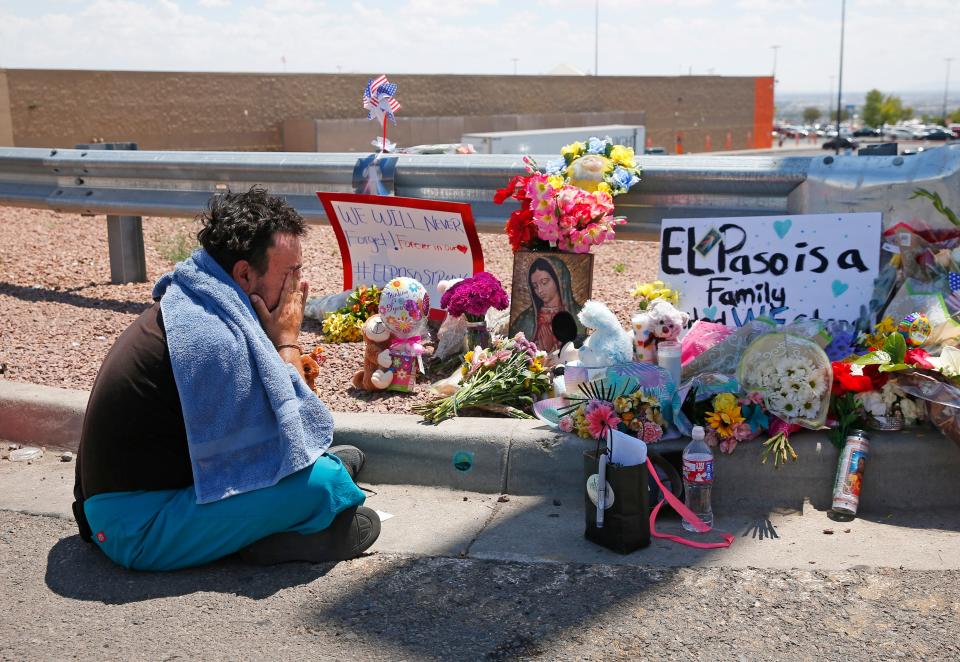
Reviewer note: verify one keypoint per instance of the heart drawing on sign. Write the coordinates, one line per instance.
(709, 312)
(839, 287)
(462, 248)
(782, 227)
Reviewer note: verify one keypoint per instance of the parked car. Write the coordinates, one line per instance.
(938, 134)
(840, 143)
(900, 133)
(654, 150)
(867, 132)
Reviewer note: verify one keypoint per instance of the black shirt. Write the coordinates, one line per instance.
(133, 435)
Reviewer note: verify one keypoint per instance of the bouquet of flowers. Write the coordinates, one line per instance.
(794, 376)
(890, 407)
(473, 297)
(602, 404)
(569, 205)
(505, 378)
(726, 418)
(345, 324)
(647, 293)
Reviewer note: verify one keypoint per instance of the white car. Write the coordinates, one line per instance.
(900, 133)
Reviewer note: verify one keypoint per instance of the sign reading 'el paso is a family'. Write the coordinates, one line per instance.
(733, 270)
(383, 237)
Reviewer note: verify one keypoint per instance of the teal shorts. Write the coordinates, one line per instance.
(168, 529)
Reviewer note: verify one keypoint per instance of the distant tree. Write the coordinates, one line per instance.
(955, 115)
(872, 108)
(811, 114)
(892, 110)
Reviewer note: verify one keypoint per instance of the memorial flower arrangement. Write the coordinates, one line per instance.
(344, 325)
(473, 297)
(890, 403)
(600, 406)
(507, 377)
(727, 419)
(569, 204)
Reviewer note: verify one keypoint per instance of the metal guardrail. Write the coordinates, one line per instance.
(142, 183)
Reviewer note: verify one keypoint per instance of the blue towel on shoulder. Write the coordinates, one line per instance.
(250, 418)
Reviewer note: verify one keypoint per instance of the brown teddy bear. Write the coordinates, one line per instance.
(376, 374)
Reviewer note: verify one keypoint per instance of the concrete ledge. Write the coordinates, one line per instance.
(915, 469)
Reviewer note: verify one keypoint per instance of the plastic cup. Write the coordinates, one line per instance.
(668, 358)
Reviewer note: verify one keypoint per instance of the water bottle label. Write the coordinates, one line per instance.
(698, 471)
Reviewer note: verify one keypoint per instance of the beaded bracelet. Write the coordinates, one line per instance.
(296, 347)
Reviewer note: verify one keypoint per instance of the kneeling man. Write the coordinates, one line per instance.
(201, 437)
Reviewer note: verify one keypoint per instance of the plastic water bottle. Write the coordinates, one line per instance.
(698, 478)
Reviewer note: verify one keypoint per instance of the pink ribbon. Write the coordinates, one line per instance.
(686, 514)
(413, 341)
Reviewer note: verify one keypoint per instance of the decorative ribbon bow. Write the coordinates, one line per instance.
(378, 99)
(413, 341)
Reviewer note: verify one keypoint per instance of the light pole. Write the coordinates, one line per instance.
(946, 87)
(515, 60)
(775, 49)
(843, 20)
(596, 38)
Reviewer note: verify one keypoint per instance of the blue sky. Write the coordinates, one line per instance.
(895, 45)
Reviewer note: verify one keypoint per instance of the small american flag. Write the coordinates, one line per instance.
(379, 99)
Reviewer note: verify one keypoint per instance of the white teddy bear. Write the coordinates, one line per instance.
(661, 321)
(608, 344)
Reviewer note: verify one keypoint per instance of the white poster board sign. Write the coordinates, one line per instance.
(383, 237)
(733, 270)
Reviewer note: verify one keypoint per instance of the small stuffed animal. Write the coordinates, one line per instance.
(311, 367)
(376, 357)
(660, 321)
(609, 344)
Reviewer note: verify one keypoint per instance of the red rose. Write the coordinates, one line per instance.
(845, 381)
(918, 358)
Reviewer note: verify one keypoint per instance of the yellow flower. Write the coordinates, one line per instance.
(623, 155)
(723, 419)
(724, 401)
(556, 181)
(604, 187)
(536, 365)
(886, 326)
(573, 150)
(468, 357)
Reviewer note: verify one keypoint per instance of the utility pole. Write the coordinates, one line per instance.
(515, 60)
(596, 38)
(946, 88)
(843, 20)
(775, 48)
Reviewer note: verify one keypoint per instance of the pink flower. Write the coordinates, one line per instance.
(565, 424)
(728, 446)
(711, 437)
(755, 397)
(651, 432)
(742, 431)
(600, 417)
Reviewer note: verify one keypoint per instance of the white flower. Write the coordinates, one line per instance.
(911, 412)
(872, 403)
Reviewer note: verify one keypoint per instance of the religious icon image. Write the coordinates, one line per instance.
(545, 284)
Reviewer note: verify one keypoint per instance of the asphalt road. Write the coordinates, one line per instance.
(61, 599)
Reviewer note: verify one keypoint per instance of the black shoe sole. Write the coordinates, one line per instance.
(351, 533)
(352, 457)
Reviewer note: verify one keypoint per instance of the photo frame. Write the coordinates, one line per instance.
(567, 278)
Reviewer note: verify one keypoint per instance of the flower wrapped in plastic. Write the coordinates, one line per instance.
(634, 398)
(505, 378)
(794, 376)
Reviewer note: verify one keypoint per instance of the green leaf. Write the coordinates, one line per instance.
(894, 367)
(896, 347)
(937, 203)
(873, 358)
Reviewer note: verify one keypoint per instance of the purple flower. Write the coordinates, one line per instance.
(475, 296)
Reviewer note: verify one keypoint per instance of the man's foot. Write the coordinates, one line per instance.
(351, 533)
(351, 456)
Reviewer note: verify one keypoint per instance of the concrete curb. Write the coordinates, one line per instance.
(917, 469)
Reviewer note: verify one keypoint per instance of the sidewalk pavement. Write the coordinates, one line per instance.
(907, 470)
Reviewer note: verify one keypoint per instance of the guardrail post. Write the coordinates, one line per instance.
(128, 263)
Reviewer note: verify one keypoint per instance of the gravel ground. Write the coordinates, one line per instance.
(59, 313)
(67, 601)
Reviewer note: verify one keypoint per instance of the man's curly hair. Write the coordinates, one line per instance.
(241, 226)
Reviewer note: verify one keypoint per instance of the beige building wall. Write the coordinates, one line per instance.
(6, 119)
(217, 111)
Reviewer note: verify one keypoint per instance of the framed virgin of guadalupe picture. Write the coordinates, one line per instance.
(545, 284)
